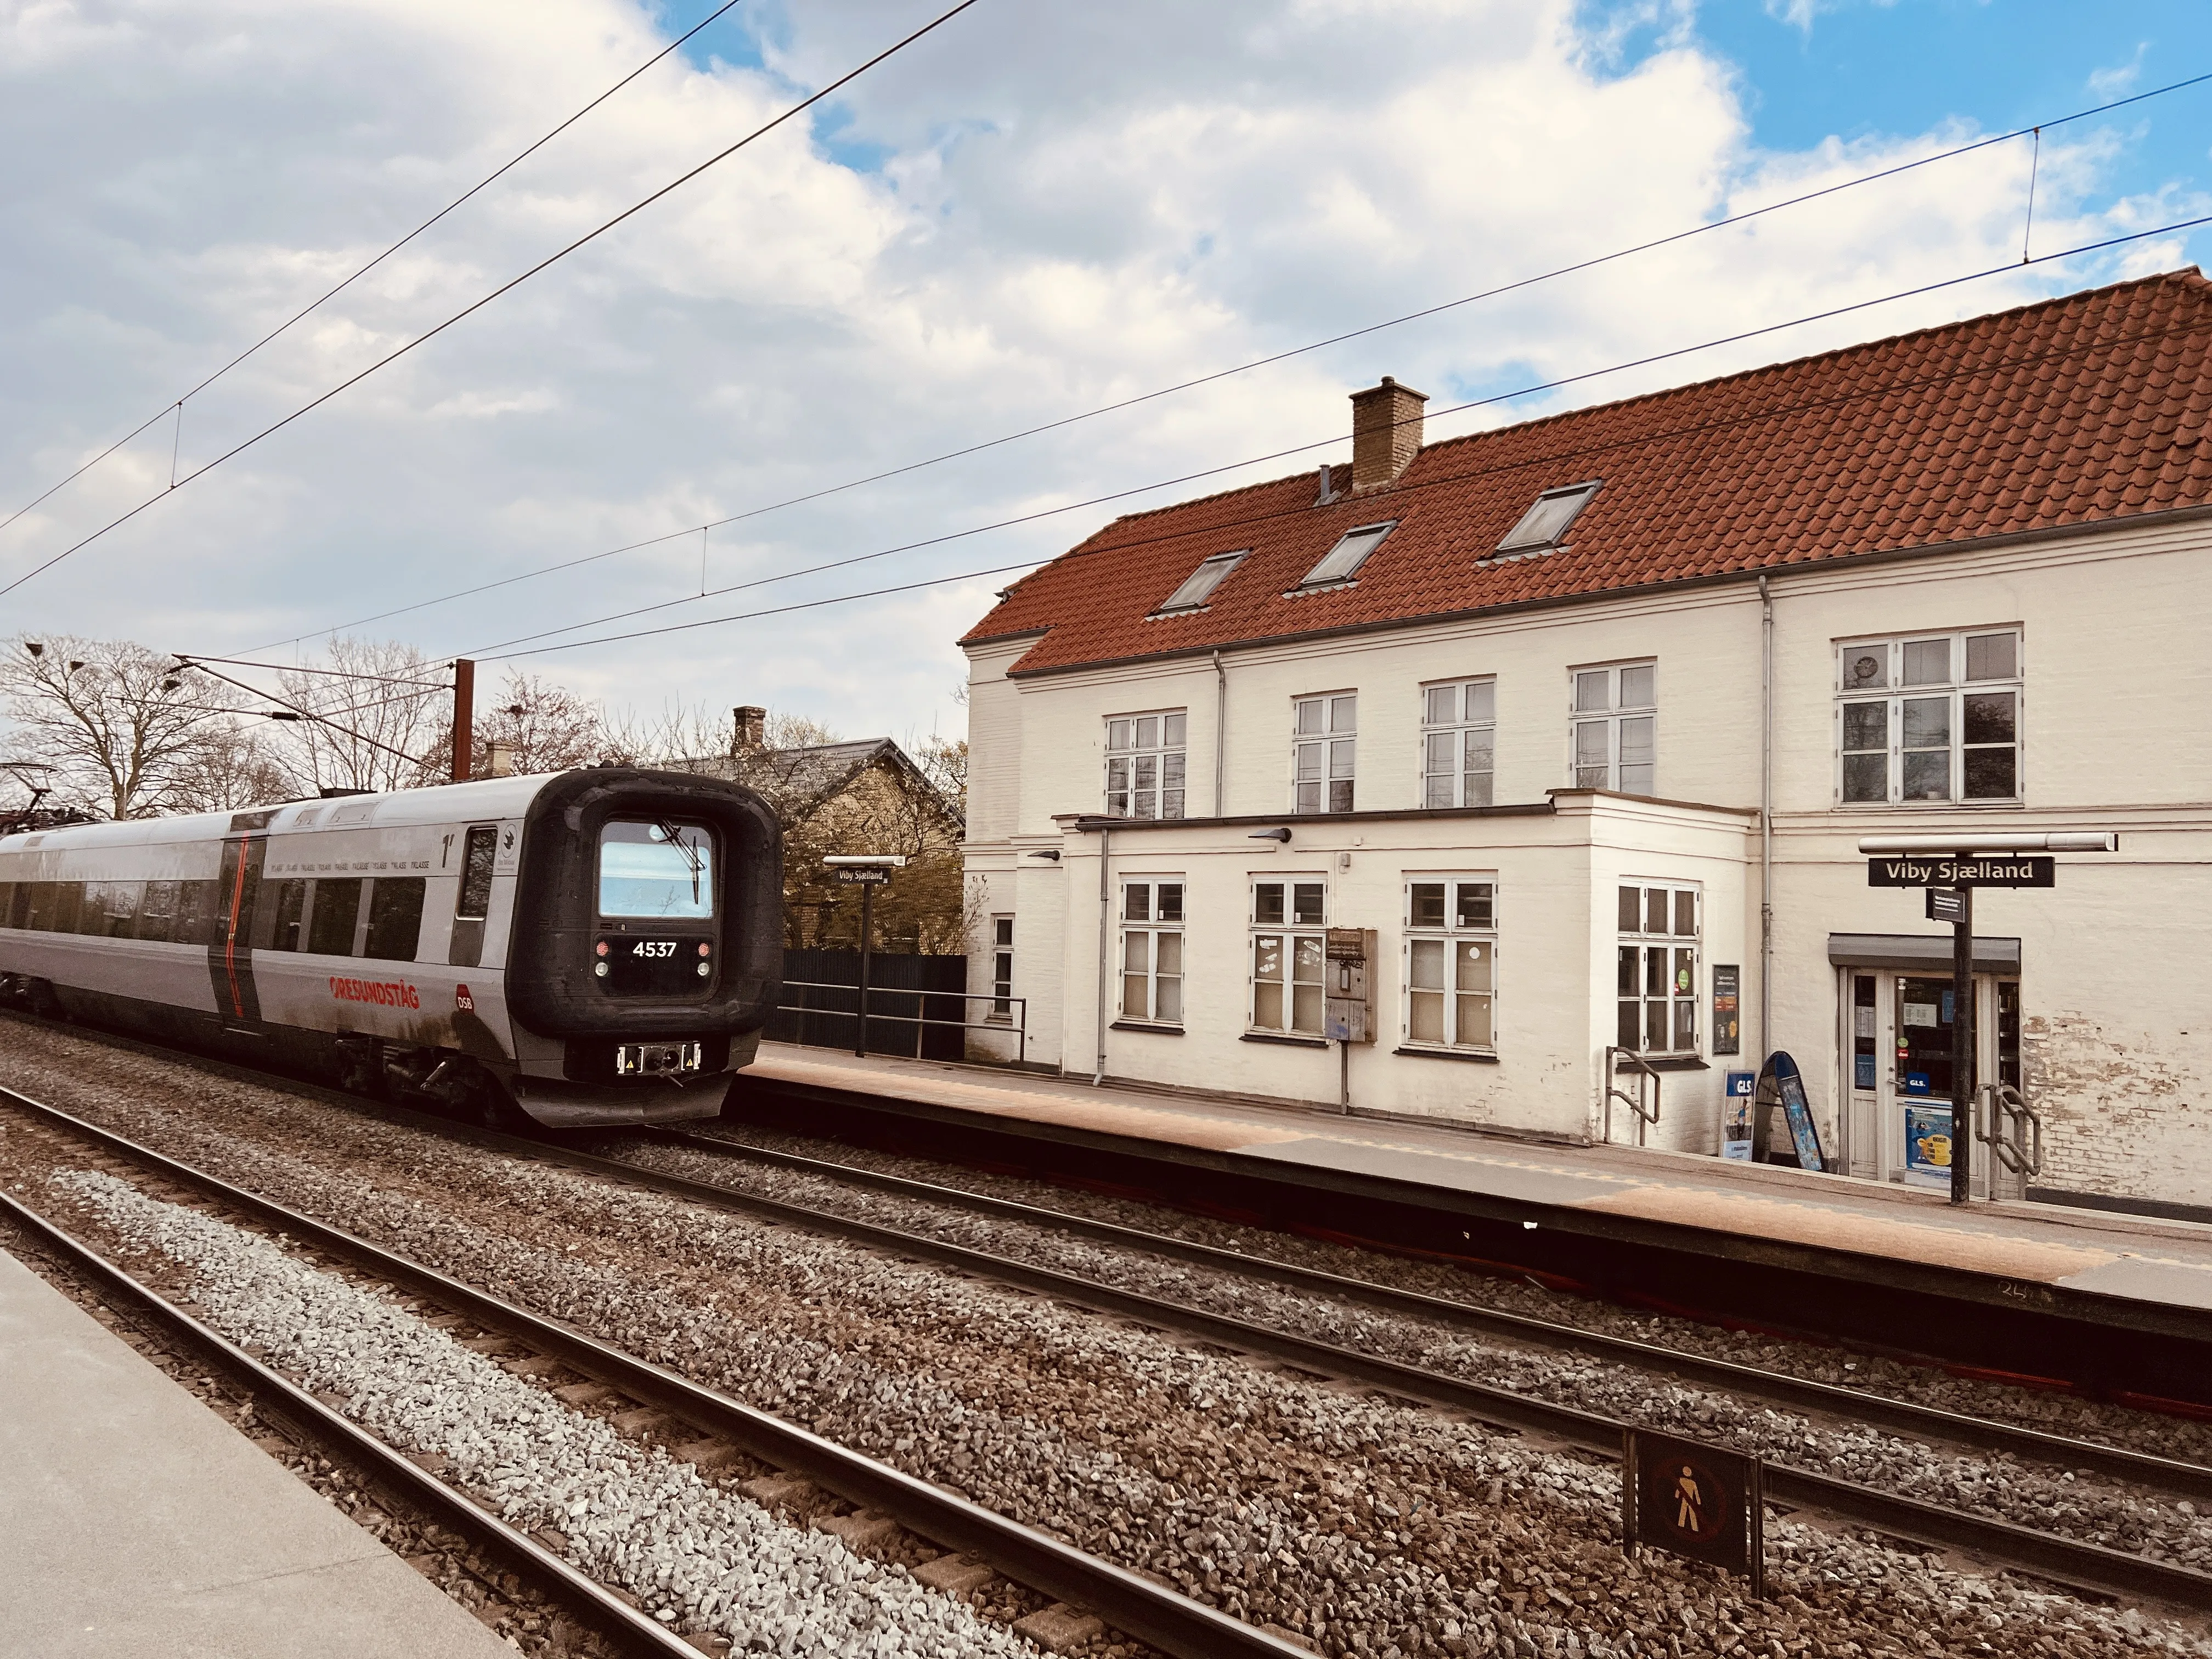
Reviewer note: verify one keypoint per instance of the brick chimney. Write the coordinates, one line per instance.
(502, 759)
(1386, 432)
(750, 730)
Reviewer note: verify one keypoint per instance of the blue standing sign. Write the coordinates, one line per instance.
(1781, 1087)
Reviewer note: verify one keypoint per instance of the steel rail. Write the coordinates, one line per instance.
(2193, 1480)
(1163, 1618)
(279, 1400)
(2087, 1566)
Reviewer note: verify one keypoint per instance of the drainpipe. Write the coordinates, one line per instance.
(1220, 732)
(1105, 936)
(1766, 822)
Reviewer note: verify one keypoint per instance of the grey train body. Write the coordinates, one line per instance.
(592, 947)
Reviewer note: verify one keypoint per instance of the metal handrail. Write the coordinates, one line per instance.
(1021, 1023)
(1614, 1056)
(2009, 1128)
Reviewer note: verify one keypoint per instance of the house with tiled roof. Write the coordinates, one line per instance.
(1517, 779)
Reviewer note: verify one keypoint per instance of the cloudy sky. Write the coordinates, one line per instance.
(1040, 209)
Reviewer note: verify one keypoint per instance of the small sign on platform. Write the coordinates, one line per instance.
(863, 875)
(1696, 1500)
(1946, 904)
(1928, 869)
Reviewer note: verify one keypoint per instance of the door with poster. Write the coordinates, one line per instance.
(1898, 1058)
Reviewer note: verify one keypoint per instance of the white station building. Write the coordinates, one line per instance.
(1570, 731)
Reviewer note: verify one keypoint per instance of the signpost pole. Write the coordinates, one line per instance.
(868, 928)
(1962, 1047)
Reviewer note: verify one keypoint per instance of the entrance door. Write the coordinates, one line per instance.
(1897, 1061)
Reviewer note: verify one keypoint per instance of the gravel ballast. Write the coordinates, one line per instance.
(1363, 1525)
(698, 1557)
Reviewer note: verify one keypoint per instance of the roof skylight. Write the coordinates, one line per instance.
(1545, 524)
(1341, 563)
(1198, 586)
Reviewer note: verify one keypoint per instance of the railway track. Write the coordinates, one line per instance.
(1164, 1619)
(2073, 1562)
(2039, 1554)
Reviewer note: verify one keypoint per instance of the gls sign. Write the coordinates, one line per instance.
(1924, 870)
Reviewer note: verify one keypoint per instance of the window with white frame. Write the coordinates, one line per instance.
(1002, 968)
(1325, 746)
(1656, 978)
(1151, 950)
(1451, 962)
(1544, 526)
(1928, 717)
(1144, 764)
(1289, 932)
(1459, 735)
(1615, 727)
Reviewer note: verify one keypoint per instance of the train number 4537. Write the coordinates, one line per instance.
(654, 947)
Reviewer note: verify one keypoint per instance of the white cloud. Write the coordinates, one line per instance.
(1073, 205)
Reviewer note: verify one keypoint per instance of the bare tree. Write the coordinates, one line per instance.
(235, 768)
(372, 722)
(115, 723)
(543, 728)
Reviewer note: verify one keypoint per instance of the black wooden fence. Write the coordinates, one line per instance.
(822, 999)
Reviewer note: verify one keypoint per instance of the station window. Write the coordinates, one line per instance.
(1928, 717)
(1002, 968)
(1151, 950)
(1325, 746)
(1451, 963)
(1657, 973)
(1459, 741)
(1615, 727)
(1144, 764)
(1289, 933)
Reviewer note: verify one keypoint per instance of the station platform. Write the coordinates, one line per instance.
(134, 1520)
(2122, 1273)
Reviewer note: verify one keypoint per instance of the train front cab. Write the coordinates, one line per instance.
(646, 949)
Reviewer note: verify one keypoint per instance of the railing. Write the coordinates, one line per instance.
(1615, 1058)
(1017, 1008)
(2009, 1128)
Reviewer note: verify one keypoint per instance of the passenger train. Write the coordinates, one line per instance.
(590, 947)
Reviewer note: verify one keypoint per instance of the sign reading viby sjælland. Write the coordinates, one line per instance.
(1927, 870)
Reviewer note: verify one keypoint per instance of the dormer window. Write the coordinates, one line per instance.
(1341, 563)
(1197, 587)
(1545, 525)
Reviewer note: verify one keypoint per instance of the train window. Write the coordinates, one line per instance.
(476, 875)
(338, 907)
(8, 905)
(195, 912)
(395, 918)
(69, 897)
(113, 914)
(660, 870)
(286, 900)
(157, 912)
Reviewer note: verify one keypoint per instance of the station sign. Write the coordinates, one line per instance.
(1696, 1500)
(863, 875)
(1930, 870)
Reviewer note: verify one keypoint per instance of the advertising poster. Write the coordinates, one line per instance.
(1727, 1018)
(1735, 1117)
(1927, 1146)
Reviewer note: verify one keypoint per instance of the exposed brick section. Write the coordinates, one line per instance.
(2074, 411)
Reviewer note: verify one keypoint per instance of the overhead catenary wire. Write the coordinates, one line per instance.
(499, 651)
(1571, 269)
(310, 715)
(804, 104)
(330, 294)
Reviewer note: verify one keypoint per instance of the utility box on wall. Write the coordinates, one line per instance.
(1348, 979)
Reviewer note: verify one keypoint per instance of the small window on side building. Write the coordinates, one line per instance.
(1197, 587)
(1341, 563)
(1545, 525)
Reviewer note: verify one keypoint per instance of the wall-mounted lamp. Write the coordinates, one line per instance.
(1051, 853)
(1280, 833)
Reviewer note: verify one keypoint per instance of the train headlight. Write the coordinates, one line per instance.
(600, 968)
(705, 967)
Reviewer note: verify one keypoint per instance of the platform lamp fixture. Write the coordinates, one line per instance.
(1951, 867)
(867, 871)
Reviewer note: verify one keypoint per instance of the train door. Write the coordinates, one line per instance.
(472, 906)
(230, 947)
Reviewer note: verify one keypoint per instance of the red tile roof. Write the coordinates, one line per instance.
(2066, 412)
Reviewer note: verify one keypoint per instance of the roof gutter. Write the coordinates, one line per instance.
(1221, 730)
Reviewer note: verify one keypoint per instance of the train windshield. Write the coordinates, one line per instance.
(656, 869)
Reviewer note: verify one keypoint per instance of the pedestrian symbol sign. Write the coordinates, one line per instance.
(1694, 1499)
